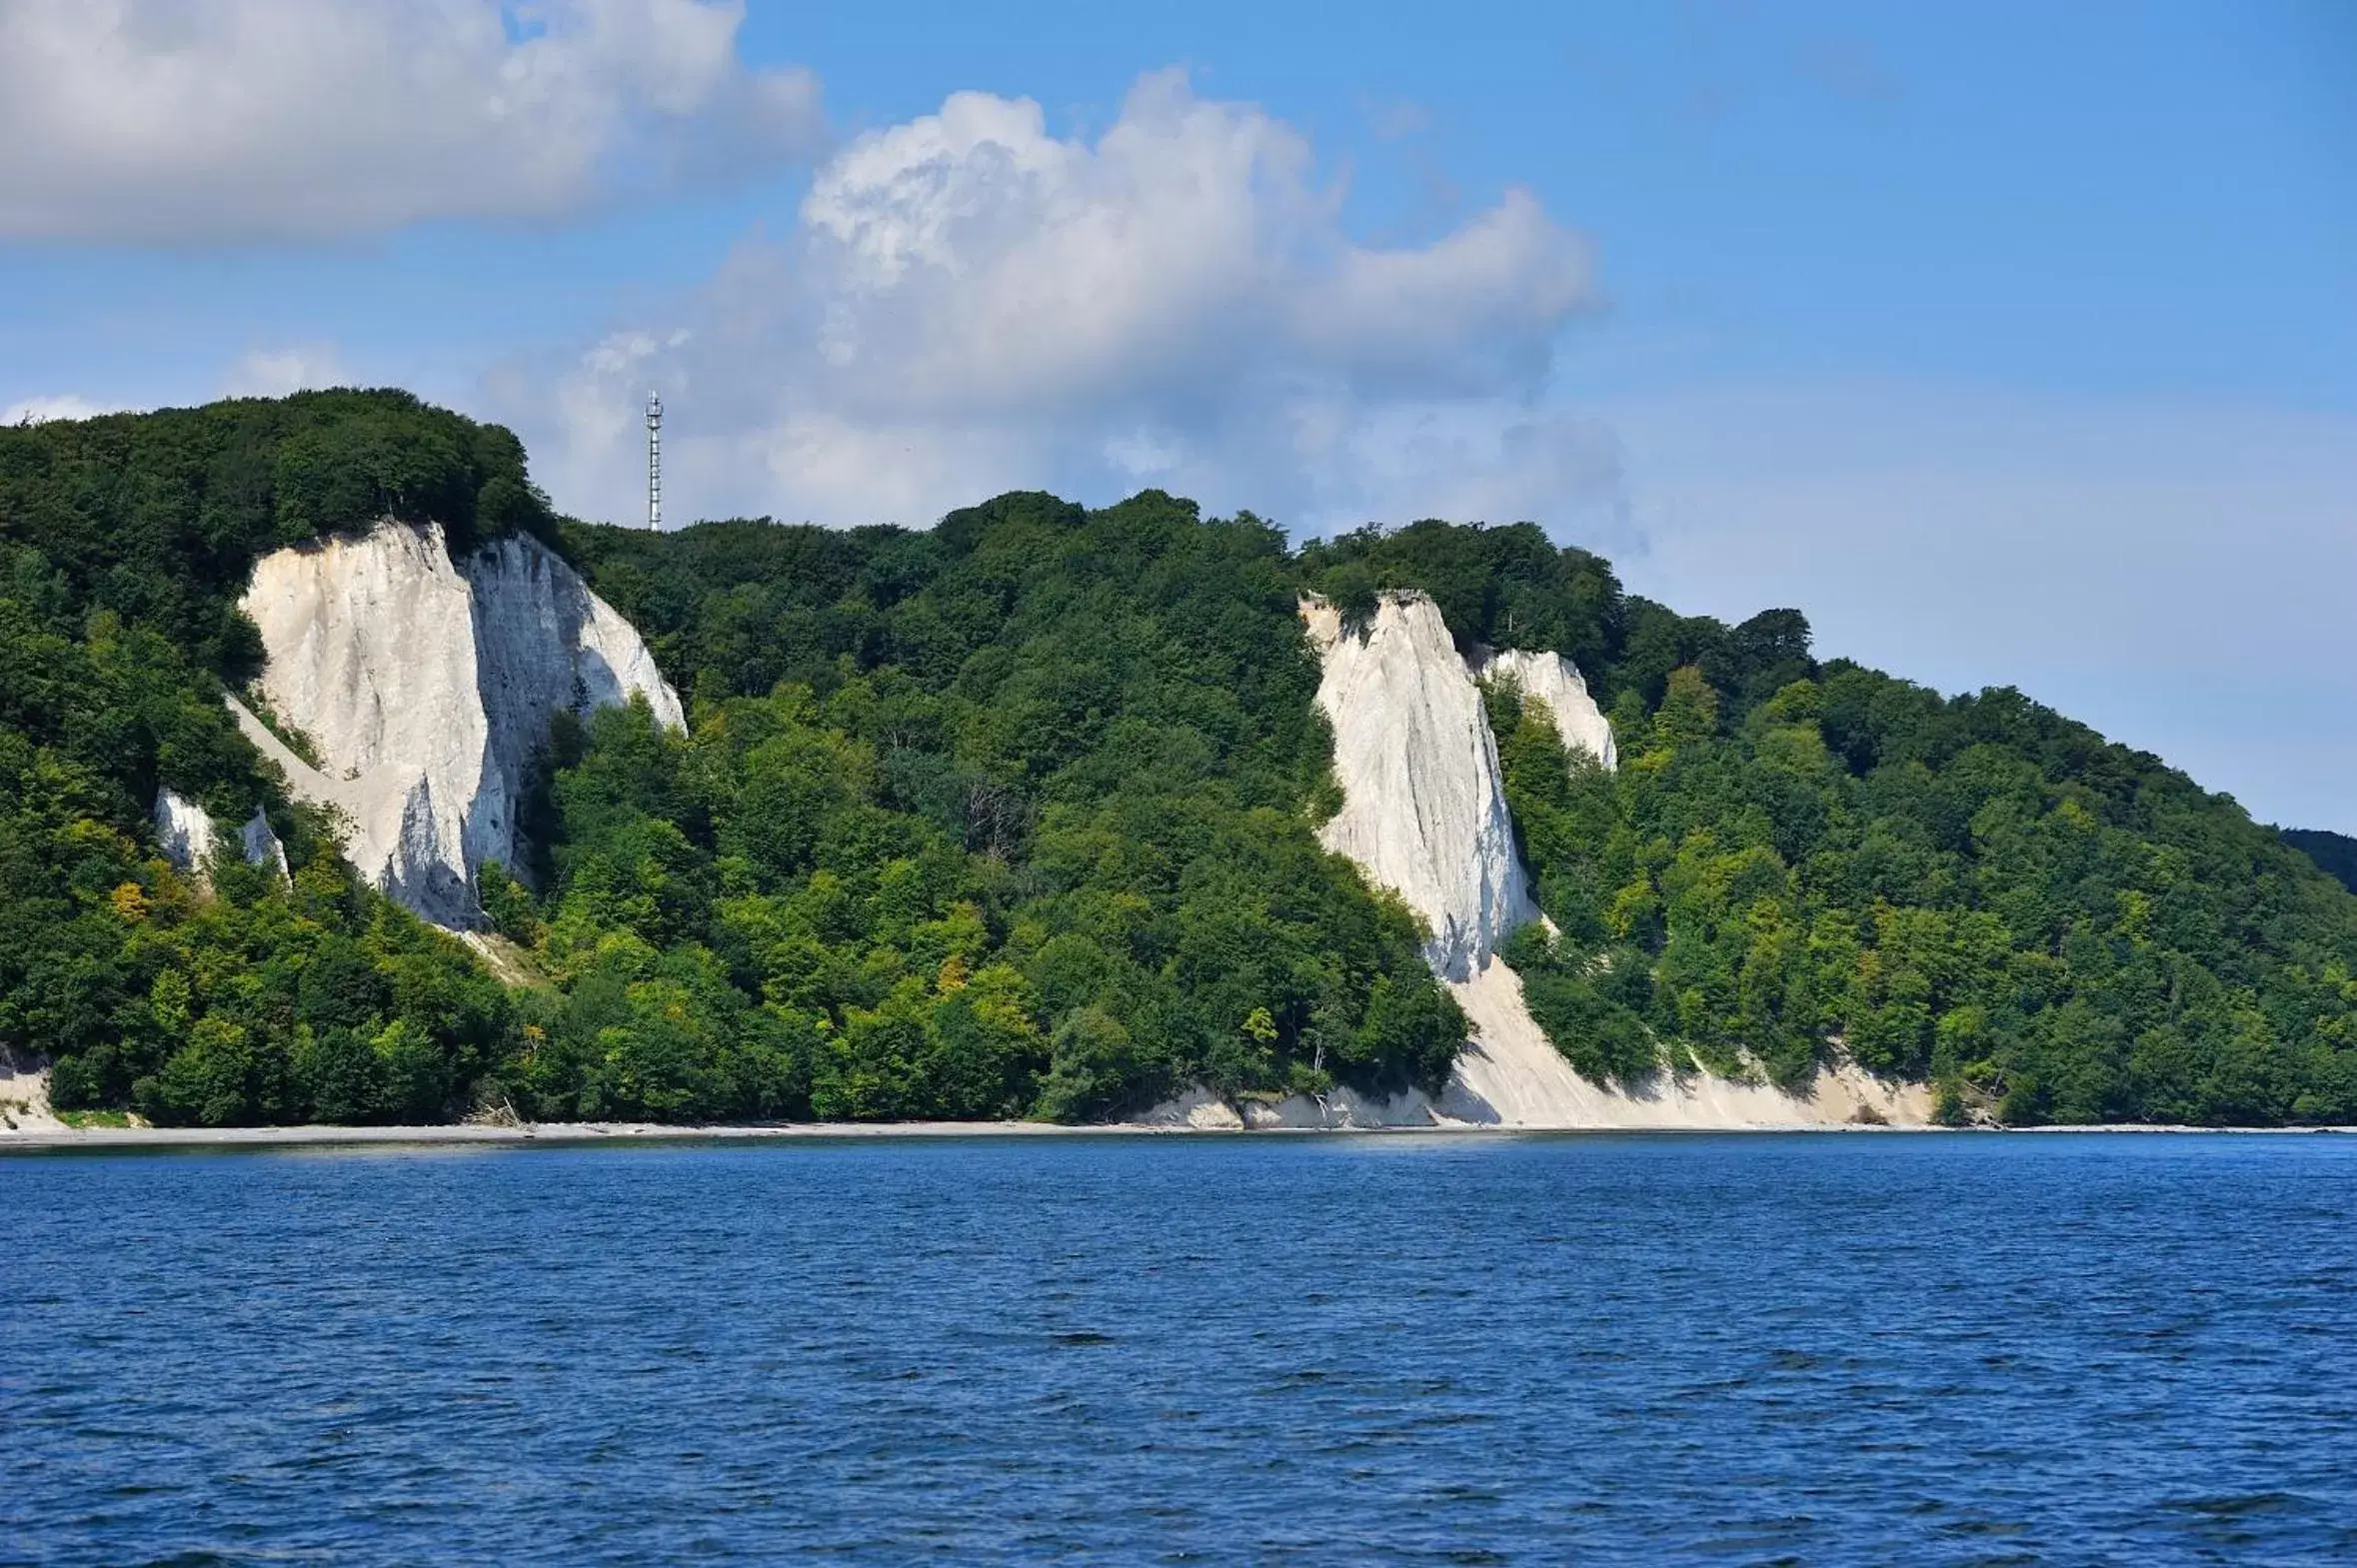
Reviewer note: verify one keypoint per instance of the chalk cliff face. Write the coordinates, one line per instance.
(1425, 816)
(1424, 809)
(425, 685)
(184, 829)
(1554, 683)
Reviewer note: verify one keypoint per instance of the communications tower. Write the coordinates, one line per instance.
(655, 460)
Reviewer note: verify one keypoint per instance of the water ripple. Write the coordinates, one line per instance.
(1744, 1349)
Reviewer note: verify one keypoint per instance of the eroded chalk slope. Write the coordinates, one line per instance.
(1425, 816)
(425, 685)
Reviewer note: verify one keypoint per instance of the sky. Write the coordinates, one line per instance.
(2016, 344)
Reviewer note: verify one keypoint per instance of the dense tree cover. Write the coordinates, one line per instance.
(124, 543)
(2335, 853)
(1016, 815)
(1797, 857)
(1497, 586)
(1009, 818)
(1794, 859)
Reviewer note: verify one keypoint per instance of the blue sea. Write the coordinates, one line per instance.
(1746, 1349)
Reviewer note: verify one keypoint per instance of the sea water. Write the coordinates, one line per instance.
(1801, 1348)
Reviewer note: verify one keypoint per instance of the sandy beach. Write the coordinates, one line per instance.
(55, 1138)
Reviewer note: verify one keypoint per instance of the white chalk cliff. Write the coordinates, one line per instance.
(1552, 681)
(1424, 802)
(185, 831)
(425, 685)
(1425, 815)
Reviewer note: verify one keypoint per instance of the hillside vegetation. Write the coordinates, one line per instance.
(2335, 853)
(124, 543)
(1011, 817)
(1974, 891)
(1016, 817)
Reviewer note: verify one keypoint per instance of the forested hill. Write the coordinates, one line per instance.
(2335, 853)
(123, 543)
(1973, 890)
(1016, 815)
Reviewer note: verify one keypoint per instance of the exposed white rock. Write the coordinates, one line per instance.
(543, 643)
(185, 831)
(1424, 809)
(1424, 814)
(1342, 1108)
(24, 1093)
(1510, 1075)
(425, 685)
(262, 845)
(1554, 683)
(1201, 1110)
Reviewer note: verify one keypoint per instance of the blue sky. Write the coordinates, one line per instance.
(2013, 342)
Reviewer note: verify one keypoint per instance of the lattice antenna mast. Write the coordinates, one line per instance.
(654, 461)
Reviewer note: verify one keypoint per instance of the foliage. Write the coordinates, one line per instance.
(1497, 587)
(1013, 816)
(124, 543)
(2335, 853)
(1007, 819)
(1973, 891)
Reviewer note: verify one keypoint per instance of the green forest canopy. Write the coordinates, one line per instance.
(1015, 817)
(2335, 853)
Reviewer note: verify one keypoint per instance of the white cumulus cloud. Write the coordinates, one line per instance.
(968, 302)
(260, 120)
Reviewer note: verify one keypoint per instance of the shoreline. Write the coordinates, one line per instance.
(591, 1133)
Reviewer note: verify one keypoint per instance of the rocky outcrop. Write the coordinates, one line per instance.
(1340, 1109)
(544, 641)
(185, 831)
(425, 685)
(24, 1092)
(1510, 1075)
(1424, 814)
(1424, 809)
(1555, 685)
